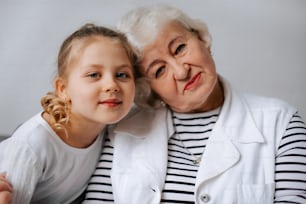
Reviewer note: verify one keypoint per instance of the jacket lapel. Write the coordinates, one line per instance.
(234, 125)
(145, 143)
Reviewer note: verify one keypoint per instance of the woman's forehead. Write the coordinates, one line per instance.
(165, 37)
(155, 51)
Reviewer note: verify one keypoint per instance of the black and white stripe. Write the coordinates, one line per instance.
(189, 141)
(290, 166)
(99, 188)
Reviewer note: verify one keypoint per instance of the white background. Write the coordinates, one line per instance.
(258, 45)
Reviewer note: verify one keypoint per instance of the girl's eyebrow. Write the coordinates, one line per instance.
(99, 66)
(125, 66)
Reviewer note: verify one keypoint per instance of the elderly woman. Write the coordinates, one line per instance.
(201, 141)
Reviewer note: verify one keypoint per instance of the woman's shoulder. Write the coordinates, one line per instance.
(141, 121)
(255, 101)
(143, 114)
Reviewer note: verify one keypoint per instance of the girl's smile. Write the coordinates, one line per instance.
(111, 102)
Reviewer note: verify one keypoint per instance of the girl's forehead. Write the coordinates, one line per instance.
(80, 45)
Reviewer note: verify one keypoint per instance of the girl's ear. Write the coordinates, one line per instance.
(60, 88)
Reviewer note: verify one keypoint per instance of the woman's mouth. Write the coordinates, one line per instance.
(193, 83)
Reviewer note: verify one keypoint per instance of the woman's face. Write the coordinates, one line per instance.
(180, 69)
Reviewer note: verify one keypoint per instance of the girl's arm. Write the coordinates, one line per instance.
(19, 162)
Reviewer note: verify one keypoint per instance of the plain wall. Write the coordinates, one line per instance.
(258, 45)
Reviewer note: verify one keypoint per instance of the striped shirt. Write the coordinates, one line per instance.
(186, 147)
(99, 188)
(290, 175)
(188, 144)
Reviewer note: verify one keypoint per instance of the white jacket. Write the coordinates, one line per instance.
(238, 164)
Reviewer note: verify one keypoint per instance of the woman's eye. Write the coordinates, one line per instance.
(122, 75)
(179, 49)
(94, 75)
(159, 72)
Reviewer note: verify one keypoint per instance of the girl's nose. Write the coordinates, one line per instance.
(111, 85)
(112, 89)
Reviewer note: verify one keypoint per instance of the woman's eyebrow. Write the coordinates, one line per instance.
(152, 64)
(172, 42)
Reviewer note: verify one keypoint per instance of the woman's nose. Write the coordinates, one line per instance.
(181, 72)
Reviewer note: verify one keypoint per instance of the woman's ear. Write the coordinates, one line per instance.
(60, 88)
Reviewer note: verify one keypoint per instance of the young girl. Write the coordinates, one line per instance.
(50, 158)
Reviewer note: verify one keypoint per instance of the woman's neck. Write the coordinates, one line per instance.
(216, 98)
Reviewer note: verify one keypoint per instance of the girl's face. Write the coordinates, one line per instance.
(100, 83)
(180, 69)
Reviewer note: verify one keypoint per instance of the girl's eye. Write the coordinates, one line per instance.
(179, 49)
(159, 71)
(94, 75)
(122, 75)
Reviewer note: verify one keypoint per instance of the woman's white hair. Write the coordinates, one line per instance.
(142, 25)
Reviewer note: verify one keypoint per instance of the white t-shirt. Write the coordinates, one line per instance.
(44, 169)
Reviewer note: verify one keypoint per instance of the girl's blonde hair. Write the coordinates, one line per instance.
(58, 108)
